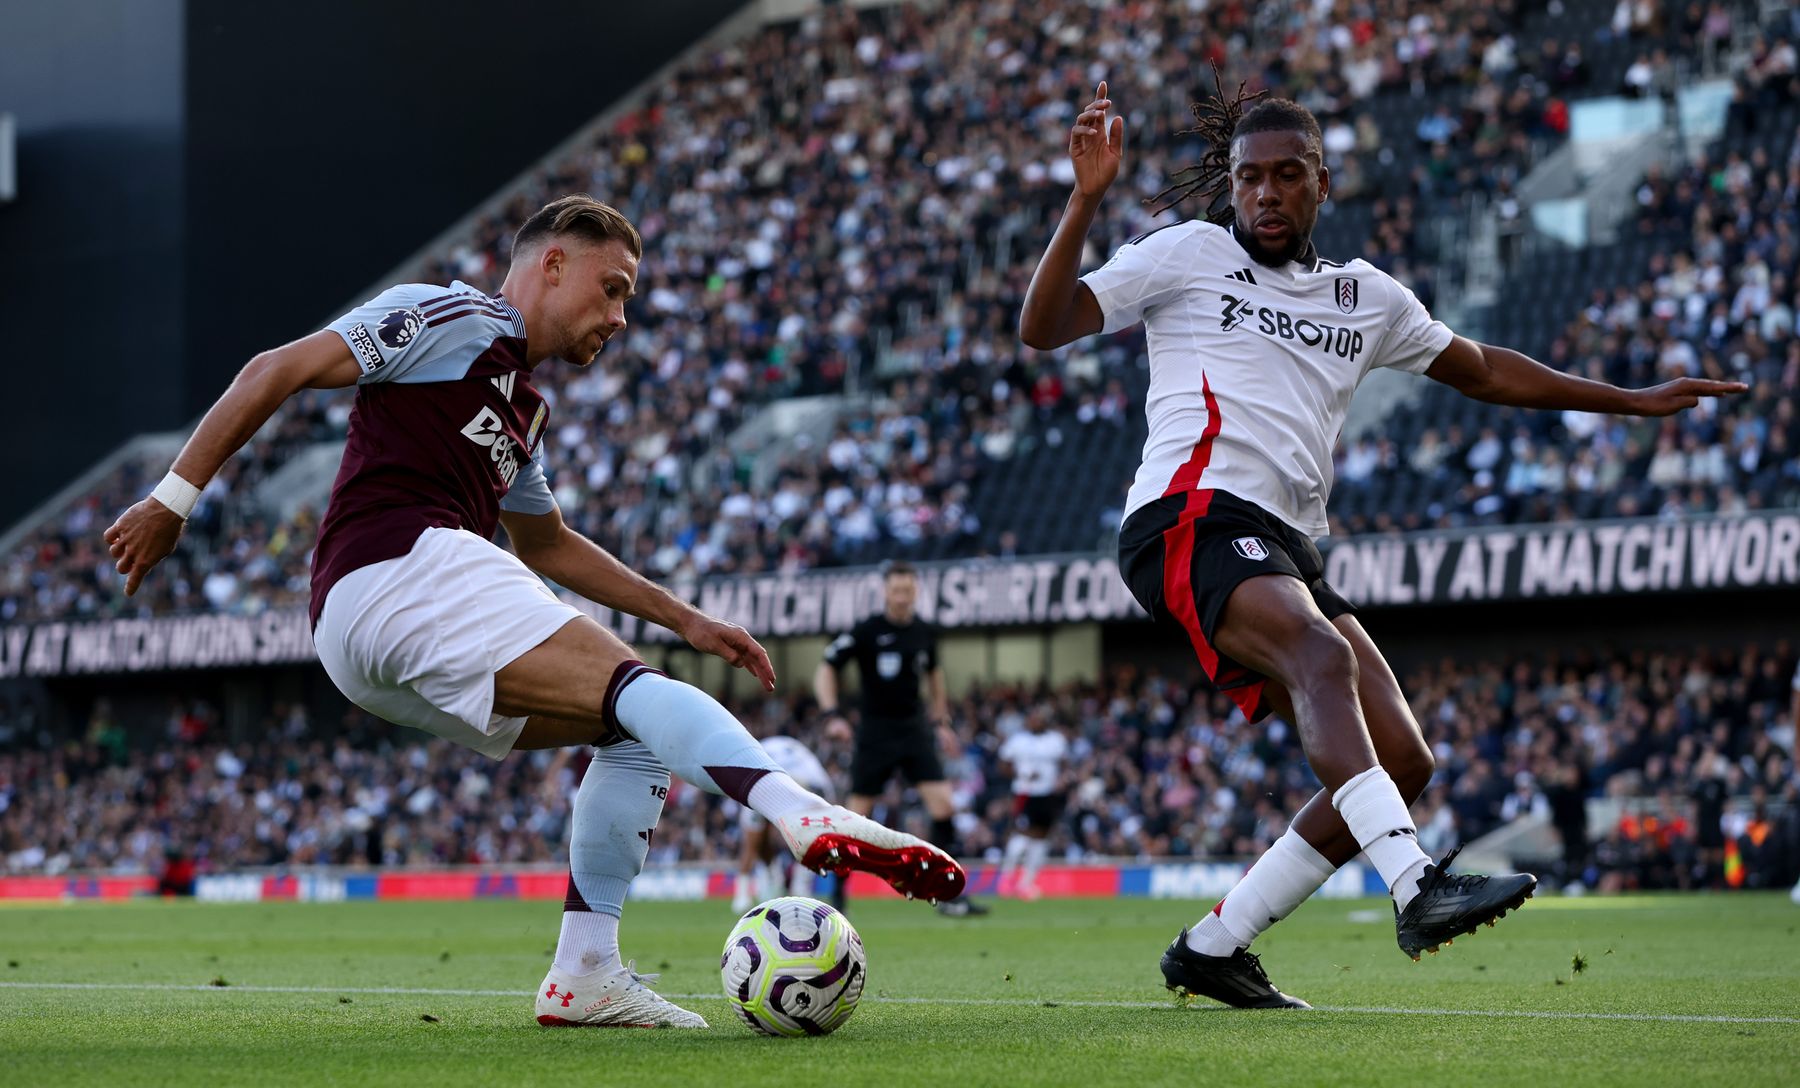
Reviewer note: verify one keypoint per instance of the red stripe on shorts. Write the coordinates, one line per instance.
(1178, 596)
(1178, 581)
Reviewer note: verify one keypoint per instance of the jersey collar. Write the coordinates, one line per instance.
(513, 315)
(518, 319)
(1308, 260)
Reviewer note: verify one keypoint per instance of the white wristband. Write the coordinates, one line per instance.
(177, 494)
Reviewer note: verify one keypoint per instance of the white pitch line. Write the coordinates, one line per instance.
(1014, 1002)
(1531, 1014)
(206, 988)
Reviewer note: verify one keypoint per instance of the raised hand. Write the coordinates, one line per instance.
(1680, 394)
(143, 536)
(1096, 146)
(733, 645)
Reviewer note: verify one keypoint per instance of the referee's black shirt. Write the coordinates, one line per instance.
(893, 660)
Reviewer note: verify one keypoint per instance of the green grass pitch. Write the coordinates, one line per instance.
(1672, 990)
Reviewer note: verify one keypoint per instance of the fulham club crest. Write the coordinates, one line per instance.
(1250, 548)
(1346, 294)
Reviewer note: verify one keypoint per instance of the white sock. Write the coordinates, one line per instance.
(619, 801)
(1036, 850)
(1282, 879)
(1370, 803)
(589, 942)
(776, 795)
(1016, 846)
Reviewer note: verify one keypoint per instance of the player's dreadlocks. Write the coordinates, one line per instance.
(1215, 122)
(1218, 120)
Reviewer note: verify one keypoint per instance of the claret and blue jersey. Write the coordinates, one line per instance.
(444, 432)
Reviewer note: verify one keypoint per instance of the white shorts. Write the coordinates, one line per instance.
(417, 640)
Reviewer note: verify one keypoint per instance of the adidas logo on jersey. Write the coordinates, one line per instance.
(487, 429)
(1243, 275)
(504, 383)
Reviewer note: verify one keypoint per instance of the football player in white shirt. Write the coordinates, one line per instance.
(1256, 345)
(1035, 756)
(758, 876)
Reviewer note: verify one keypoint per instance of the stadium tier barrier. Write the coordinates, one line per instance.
(673, 883)
(1756, 550)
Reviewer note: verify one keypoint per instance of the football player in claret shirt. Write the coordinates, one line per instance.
(421, 619)
(1256, 344)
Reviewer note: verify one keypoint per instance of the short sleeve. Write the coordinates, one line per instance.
(1139, 277)
(842, 648)
(1009, 748)
(530, 491)
(399, 336)
(1414, 338)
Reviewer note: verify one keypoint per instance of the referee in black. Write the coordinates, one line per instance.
(895, 653)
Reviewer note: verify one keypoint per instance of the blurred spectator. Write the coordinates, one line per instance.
(875, 235)
(1695, 747)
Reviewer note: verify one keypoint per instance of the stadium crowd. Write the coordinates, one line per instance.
(1719, 302)
(1718, 299)
(1696, 748)
(883, 227)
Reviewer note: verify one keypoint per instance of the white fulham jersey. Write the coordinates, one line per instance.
(1252, 368)
(1036, 760)
(799, 762)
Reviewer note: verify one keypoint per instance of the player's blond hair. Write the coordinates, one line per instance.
(582, 216)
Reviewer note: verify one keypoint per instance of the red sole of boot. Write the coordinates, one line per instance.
(559, 1022)
(914, 871)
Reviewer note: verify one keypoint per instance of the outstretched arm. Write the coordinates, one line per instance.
(825, 690)
(146, 533)
(547, 545)
(1059, 309)
(1503, 376)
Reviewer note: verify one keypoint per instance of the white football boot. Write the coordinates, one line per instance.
(620, 998)
(837, 840)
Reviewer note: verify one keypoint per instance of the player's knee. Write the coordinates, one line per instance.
(1322, 661)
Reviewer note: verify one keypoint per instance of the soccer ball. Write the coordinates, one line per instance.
(793, 966)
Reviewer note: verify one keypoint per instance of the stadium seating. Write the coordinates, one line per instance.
(1162, 768)
(837, 249)
(863, 242)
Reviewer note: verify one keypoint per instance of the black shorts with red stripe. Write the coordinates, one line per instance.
(1040, 811)
(1183, 554)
